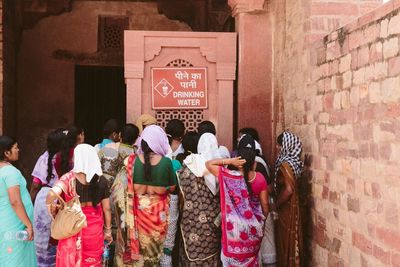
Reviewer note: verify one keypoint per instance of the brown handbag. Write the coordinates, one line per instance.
(69, 220)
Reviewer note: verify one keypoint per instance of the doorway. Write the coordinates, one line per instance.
(100, 94)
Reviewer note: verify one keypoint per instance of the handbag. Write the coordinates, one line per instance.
(69, 220)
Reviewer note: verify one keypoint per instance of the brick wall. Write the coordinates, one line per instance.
(341, 95)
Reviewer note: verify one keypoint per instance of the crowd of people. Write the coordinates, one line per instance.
(150, 196)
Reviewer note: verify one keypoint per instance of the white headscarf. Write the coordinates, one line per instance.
(207, 149)
(87, 161)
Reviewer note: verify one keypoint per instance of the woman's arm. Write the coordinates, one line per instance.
(35, 188)
(285, 195)
(264, 202)
(105, 203)
(213, 165)
(50, 200)
(16, 203)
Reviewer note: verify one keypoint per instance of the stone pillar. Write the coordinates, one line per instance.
(254, 69)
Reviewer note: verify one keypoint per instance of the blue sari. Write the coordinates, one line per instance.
(13, 252)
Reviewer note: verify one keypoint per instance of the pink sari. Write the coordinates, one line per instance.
(242, 221)
(85, 248)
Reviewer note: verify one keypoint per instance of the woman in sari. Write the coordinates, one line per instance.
(140, 197)
(199, 226)
(44, 177)
(268, 250)
(86, 181)
(288, 168)
(244, 207)
(16, 210)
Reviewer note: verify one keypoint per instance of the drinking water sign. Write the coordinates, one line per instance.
(179, 88)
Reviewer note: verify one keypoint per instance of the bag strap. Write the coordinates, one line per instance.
(59, 197)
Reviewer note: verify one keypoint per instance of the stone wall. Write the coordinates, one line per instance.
(46, 80)
(341, 95)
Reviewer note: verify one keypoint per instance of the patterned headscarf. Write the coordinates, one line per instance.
(290, 153)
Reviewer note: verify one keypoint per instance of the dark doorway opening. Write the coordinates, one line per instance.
(100, 94)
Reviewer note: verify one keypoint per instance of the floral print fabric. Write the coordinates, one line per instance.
(242, 221)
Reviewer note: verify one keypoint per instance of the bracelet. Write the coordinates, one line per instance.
(223, 162)
(107, 228)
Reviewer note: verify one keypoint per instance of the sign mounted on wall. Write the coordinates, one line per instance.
(179, 88)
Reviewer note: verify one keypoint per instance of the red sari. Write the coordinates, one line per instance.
(85, 248)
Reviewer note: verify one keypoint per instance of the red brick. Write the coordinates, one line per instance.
(321, 222)
(325, 192)
(356, 39)
(381, 255)
(375, 53)
(393, 110)
(384, 151)
(363, 131)
(371, 33)
(353, 204)
(334, 67)
(376, 190)
(334, 261)
(328, 102)
(320, 237)
(362, 243)
(354, 59)
(342, 9)
(389, 237)
(394, 66)
(334, 197)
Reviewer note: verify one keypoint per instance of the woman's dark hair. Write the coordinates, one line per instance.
(206, 127)
(54, 143)
(129, 134)
(250, 131)
(111, 126)
(189, 144)
(68, 143)
(279, 139)
(175, 129)
(147, 165)
(249, 155)
(6, 143)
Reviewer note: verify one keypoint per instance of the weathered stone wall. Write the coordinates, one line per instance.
(46, 82)
(341, 95)
(10, 39)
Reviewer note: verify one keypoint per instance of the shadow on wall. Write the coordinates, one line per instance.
(306, 205)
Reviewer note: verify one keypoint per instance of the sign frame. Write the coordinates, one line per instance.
(183, 69)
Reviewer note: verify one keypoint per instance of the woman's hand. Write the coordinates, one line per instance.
(108, 236)
(29, 230)
(53, 209)
(237, 162)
